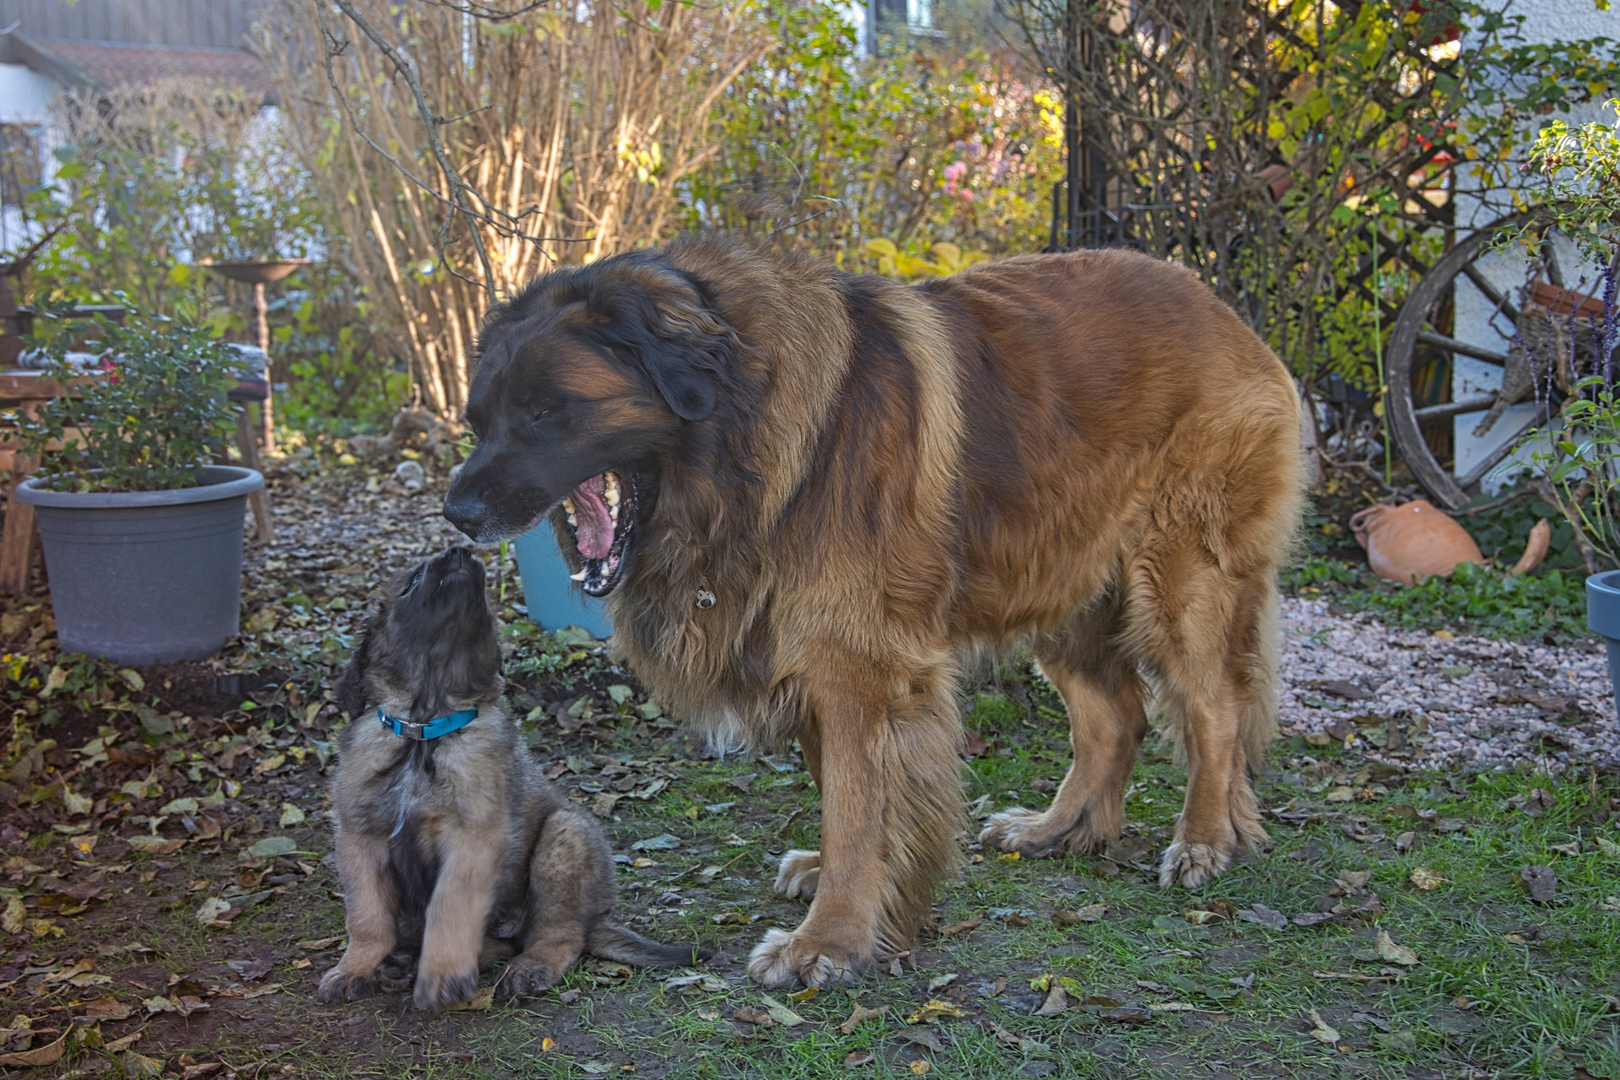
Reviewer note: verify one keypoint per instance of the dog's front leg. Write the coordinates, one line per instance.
(891, 810)
(369, 903)
(453, 934)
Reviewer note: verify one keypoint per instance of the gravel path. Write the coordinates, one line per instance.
(1413, 698)
(1441, 700)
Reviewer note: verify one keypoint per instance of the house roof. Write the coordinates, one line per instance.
(108, 44)
(109, 66)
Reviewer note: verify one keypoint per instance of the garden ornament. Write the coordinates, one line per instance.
(1412, 541)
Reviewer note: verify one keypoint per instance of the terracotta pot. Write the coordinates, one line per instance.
(1413, 541)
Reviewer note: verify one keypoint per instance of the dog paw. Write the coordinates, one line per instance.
(338, 985)
(1192, 865)
(436, 991)
(1020, 830)
(799, 874)
(525, 978)
(783, 959)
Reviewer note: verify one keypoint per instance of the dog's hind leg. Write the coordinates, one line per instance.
(1103, 695)
(370, 902)
(453, 930)
(570, 890)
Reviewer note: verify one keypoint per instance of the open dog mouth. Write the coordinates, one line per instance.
(601, 514)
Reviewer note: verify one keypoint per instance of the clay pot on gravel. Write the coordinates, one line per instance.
(1412, 541)
(146, 577)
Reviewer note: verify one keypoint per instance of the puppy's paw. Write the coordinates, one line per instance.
(339, 985)
(783, 959)
(1192, 865)
(436, 990)
(525, 977)
(1017, 829)
(799, 875)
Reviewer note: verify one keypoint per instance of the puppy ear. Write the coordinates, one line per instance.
(350, 691)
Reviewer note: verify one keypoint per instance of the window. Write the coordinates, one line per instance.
(920, 14)
(19, 162)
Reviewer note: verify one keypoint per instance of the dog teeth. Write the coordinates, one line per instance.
(577, 577)
(612, 496)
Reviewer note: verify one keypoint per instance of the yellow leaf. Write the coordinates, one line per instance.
(1425, 879)
(921, 1066)
(12, 921)
(935, 1009)
(291, 815)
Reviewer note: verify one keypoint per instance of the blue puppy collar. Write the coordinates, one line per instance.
(444, 725)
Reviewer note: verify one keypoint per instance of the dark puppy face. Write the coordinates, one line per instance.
(583, 383)
(434, 641)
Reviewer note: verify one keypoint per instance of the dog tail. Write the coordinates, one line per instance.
(610, 941)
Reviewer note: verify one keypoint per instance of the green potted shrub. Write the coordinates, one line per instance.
(1578, 463)
(142, 532)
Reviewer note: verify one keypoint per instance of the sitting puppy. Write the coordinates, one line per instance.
(450, 843)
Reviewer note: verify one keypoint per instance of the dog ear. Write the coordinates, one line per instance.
(670, 331)
(350, 691)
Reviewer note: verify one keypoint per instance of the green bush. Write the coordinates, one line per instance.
(148, 416)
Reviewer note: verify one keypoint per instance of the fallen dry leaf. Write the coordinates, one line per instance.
(856, 1058)
(935, 1009)
(1392, 953)
(1132, 1013)
(1424, 878)
(1269, 918)
(1404, 842)
(481, 1000)
(1320, 1031)
(1540, 882)
(939, 982)
(780, 1013)
(859, 1016)
(921, 1067)
(108, 1009)
(961, 927)
(1056, 1001)
(39, 1057)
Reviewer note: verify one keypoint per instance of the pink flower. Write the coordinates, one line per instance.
(108, 365)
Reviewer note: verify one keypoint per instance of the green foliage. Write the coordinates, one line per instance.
(339, 382)
(1475, 600)
(823, 149)
(1577, 175)
(150, 182)
(147, 417)
(1501, 533)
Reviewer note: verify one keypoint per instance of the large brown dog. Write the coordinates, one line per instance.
(806, 494)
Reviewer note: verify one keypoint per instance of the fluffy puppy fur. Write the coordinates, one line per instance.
(456, 850)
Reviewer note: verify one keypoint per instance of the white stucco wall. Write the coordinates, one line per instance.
(1546, 21)
(25, 96)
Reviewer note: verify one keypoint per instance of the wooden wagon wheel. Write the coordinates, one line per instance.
(1424, 329)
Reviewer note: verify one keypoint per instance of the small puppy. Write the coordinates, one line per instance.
(450, 844)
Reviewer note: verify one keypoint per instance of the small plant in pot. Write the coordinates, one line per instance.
(142, 533)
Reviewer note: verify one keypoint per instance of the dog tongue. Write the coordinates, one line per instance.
(593, 526)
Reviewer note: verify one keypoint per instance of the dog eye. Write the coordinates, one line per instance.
(416, 579)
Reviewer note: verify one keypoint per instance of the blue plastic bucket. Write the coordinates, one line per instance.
(553, 601)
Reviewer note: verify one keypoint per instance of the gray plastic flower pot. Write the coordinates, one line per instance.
(146, 577)
(1603, 616)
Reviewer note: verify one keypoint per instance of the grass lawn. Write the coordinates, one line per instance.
(1426, 953)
